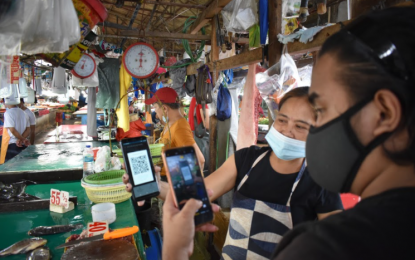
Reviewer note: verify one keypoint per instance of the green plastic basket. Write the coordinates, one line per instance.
(109, 177)
(155, 151)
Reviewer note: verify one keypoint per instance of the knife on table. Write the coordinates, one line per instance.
(123, 232)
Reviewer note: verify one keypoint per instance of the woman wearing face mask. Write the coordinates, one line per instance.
(273, 190)
(363, 88)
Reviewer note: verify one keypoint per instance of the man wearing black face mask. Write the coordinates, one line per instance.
(363, 89)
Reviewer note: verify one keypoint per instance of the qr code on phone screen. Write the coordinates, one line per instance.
(139, 164)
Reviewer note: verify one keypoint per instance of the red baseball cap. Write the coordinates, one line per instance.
(164, 95)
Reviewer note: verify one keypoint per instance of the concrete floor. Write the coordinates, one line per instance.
(42, 136)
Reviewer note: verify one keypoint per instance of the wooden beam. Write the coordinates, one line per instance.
(177, 36)
(275, 23)
(215, 49)
(173, 4)
(214, 8)
(213, 137)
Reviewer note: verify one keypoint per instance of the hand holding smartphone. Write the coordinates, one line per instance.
(186, 181)
(140, 168)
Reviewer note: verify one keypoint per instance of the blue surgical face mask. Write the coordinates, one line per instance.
(165, 119)
(284, 147)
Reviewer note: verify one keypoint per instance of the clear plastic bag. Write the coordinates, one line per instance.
(277, 80)
(291, 8)
(239, 15)
(5, 86)
(59, 84)
(103, 160)
(11, 27)
(50, 26)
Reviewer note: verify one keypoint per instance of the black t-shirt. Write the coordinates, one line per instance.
(379, 227)
(267, 185)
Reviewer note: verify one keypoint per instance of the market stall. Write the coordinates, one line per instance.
(51, 162)
(111, 57)
(17, 224)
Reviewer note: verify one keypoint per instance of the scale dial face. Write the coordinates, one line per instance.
(85, 67)
(141, 60)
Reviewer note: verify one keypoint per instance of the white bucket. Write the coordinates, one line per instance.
(23, 88)
(14, 99)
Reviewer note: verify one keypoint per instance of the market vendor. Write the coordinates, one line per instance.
(273, 189)
(17, 129)
(176, 132)
(32, 120)
(364, 131)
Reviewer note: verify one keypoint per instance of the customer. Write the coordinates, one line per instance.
(177, 132)
(363, 89)
(273, 189)
(18, 129)
(32, 120)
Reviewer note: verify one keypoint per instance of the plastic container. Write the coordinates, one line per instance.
(88, 161)
(104, 212)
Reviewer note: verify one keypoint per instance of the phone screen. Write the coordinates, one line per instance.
(139, 167)
(186, 178)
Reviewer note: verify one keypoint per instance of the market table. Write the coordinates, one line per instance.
(44, 163)
(14, 226)
(69, 134)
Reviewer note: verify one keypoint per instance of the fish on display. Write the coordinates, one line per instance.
(23, 246)
(41, 253)
(50, 230)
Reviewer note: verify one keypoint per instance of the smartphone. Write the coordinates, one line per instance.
(186, 181)
(140, 168)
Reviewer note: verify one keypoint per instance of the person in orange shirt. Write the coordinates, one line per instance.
(177, 132)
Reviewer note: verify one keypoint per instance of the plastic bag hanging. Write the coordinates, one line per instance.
(5, 86)
(59, 81)
(11, 26)
(23, 88)
(14, 98)
(277, 80)
(239, 15)
(30, 96)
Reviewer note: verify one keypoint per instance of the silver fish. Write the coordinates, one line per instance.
(41, 253)
(23, 246)
(45, 230)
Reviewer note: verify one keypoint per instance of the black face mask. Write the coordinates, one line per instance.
(334, 153)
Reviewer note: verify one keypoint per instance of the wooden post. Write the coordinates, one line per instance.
(274, 47)
(213, 122)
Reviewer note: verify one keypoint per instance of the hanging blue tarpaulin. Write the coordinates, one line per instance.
(263, 20)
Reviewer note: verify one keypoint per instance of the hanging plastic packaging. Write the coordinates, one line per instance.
(23, 88)
(50, 26)
(59, 84)
(5, 86)
(11, 26)
(277, 80)
(239, 15)
(14, 98)
(30, 96)
(291, 8)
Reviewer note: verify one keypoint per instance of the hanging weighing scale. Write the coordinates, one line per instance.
(85, 67)
(140, 60)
